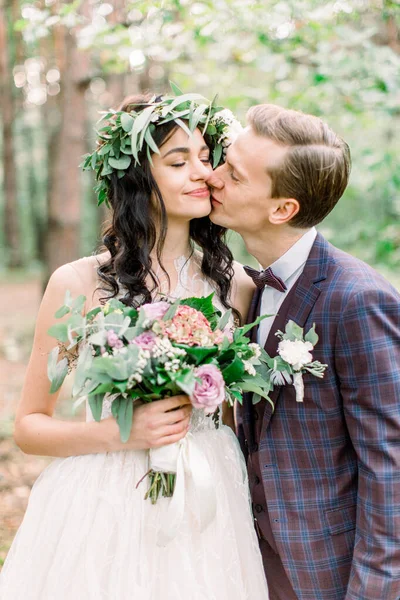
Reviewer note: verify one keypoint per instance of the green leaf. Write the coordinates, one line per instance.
(93, 160)
(233, 372)
(106, 170)
(149, 139)
(78, 303)
(114, 366)
(59, 331)
(311, 336)
(96, 405)
(120, 163)
(175, 89)
(249, 387)
(224, 320)
(141, 122)
(56, 371)
(199, 353)
(171, 311)
(217, 155)
(184, 127)
(186, 381)
(293, 331)
(104, 149)
(124, 411)
(243, 330)
(127, 122)
(197, 116)
(92, 313)
(64, 310)
(181, 99)
(102, 389)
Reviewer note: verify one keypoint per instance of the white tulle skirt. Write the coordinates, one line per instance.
(88, 534)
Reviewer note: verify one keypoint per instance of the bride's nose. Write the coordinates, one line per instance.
(201, 171)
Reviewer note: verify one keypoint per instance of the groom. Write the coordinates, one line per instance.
(324, 473)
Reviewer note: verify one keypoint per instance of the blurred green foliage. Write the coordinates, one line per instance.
(339, 60)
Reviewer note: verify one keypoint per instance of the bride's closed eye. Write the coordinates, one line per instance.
(206, 161)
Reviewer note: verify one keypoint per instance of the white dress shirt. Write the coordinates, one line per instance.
(288, 267)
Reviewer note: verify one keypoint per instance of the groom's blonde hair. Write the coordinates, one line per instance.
(316, 168)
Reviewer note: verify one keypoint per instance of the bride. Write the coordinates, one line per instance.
(88, 533)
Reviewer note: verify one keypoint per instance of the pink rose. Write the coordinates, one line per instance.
(145, 341)
(210, 392)
(156, 310)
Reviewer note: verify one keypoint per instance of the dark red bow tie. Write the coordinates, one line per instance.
(266, 277)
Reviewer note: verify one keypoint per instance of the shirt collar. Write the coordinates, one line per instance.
(295, 257)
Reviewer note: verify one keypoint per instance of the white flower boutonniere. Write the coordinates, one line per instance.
(295, 358)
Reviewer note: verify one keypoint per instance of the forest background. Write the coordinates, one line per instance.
(63, 62)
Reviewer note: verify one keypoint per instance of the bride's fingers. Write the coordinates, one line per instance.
(169, 439)
(177, 416)
(170, 404)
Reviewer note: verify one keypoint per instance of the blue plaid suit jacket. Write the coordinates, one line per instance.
(331, 466)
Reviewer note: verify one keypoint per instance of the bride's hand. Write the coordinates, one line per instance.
(156, 424)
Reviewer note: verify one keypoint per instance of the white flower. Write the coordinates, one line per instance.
(248, 367)
(296, 353)
(256, 350)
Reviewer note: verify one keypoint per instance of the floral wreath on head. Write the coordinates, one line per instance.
(126, 134)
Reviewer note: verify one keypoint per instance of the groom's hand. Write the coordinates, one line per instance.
(158, 423)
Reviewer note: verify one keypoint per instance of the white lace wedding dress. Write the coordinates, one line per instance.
(88, 533)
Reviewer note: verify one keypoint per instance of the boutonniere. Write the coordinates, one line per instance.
(294, 358)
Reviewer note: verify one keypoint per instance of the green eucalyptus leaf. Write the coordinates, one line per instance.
(120, 163)
(184, 127)
(124, 410)
(127, 122)
(64, 310)
(141, 122)
(175, 89)
(96, 405)
(217, 155)
(150, 141)
(247, 386)
(224, 320)
(59, 331)
(311, 336)
(293, 331)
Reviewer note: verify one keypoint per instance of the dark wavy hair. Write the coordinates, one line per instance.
(132, 234)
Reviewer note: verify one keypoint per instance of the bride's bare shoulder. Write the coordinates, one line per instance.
(79, 277)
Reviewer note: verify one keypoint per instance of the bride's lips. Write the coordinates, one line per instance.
(203, 192)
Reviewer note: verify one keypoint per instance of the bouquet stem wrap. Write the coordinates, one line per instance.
(187, 460)
(298, 386)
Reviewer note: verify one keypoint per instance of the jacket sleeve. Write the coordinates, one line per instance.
(367, 355)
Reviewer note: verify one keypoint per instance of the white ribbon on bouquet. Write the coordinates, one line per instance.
(185, 458)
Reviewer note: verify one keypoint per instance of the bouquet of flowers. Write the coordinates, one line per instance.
(158, 350)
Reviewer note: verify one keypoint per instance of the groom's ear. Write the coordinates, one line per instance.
(283, 210)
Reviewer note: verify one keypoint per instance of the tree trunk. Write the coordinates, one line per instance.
(11, 222)
(66, 149)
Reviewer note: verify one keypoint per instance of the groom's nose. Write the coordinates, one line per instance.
(215, 181)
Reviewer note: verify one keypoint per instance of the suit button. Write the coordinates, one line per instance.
(255, 448)
(259, 508)
(256, 417)
(256, 480)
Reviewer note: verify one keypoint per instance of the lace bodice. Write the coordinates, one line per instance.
(190, 283)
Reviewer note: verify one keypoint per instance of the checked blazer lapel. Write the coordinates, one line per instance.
(297, 307)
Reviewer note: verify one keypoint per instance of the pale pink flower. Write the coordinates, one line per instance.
(189, 326)
(145, 341)
(210, 392)
(156, 310)
(112, 338)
